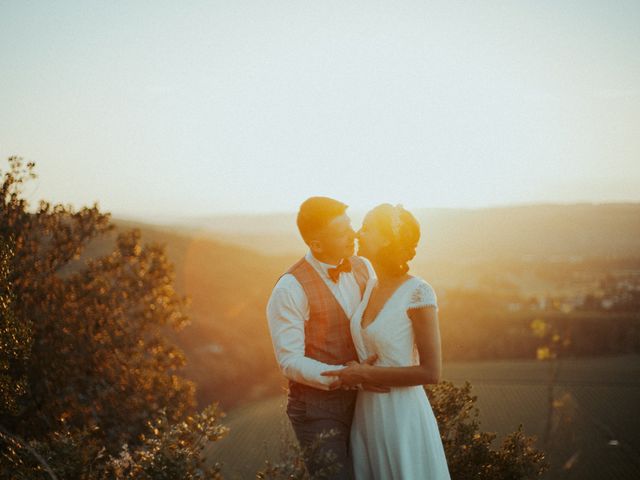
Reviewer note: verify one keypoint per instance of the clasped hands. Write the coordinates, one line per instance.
(354, 377)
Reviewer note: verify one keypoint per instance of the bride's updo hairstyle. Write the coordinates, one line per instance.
(402, 230)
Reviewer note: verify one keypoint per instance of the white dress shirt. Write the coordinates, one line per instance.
(287, 312)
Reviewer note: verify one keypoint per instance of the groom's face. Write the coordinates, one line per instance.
(336, 239)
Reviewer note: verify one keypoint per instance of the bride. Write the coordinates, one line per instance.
(394, 435)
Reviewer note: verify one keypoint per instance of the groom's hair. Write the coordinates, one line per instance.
(315, 213)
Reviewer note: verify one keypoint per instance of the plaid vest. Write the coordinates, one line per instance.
(327, 333)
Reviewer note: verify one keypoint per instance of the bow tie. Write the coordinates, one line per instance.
(343, 266)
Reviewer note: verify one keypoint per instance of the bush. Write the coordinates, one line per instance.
(292, 464)
(167, 452)
(470, 453)
(85, 365)
(171, 451)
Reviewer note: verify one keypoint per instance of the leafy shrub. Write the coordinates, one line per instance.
(90, 387)
(292, 464)
(469, 451)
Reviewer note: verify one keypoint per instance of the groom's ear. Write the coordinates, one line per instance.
(315, 246)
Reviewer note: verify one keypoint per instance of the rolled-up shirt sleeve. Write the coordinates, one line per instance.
(286, 316)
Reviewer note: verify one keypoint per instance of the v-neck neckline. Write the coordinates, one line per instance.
(383, 305)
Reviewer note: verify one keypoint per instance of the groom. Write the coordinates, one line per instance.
(308, 313)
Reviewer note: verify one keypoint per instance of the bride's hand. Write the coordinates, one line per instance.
(354, 373)
(350, 375)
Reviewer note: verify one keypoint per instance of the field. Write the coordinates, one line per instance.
(597, 437)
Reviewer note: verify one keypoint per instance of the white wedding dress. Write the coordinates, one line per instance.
(395, 436)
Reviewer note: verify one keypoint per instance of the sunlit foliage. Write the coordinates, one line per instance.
(85, 361)
(470, 452)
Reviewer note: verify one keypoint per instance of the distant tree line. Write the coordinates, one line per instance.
(478, 325)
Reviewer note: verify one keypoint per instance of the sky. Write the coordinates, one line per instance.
(194, 108)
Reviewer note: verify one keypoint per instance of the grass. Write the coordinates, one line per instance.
(597, 433)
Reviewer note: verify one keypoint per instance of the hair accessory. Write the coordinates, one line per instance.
(395, 220)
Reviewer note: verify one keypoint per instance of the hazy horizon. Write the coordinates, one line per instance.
(356, 213)
(215, 108)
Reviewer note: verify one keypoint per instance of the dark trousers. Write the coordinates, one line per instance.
(311, 412)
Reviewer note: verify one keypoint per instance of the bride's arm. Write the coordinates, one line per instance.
(427, 337)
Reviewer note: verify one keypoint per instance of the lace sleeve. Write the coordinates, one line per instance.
(423, 296)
